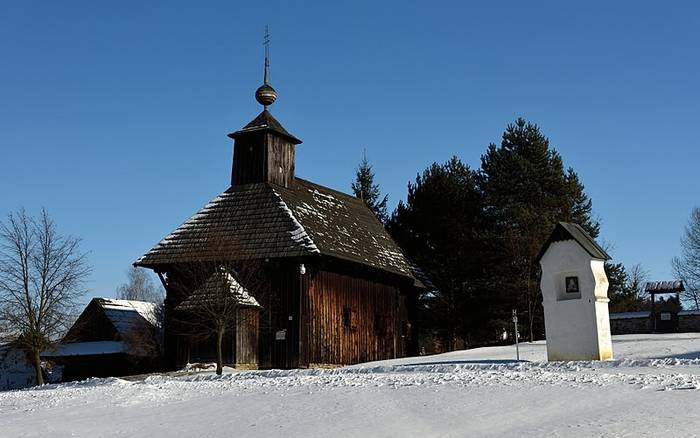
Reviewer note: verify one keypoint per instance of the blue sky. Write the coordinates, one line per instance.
(114, 115)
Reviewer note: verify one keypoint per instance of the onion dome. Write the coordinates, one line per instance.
(265, 95)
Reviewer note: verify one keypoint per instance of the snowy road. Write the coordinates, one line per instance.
(651, 390)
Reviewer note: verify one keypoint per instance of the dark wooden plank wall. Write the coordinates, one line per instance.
(280, 161)
(247, 326)
(263, 158)
(249, 160)
(328, 340)
(285, 307)
(92, 325)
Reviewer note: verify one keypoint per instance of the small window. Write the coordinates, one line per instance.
(572, 286)
(380, 324)
(349, 318)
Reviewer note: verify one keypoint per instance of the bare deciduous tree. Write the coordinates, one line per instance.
(42, 275)
(638, 278)
(216, 306)
(687, 265)
(146, 340)
(139, 287)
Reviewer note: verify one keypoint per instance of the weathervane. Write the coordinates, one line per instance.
(266, 95)
(266, 44)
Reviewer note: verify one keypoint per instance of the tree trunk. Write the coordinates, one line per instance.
(219, 355)
(37, 368)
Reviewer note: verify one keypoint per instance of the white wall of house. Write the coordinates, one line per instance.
(577, 325)
(16, 371)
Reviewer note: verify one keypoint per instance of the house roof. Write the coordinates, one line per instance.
(570, 231)
(245, 222)
(126, 315)
(342, 226)
(265, 122)
(86, 337)
(663, 287)
(93, 348)
(264, 220)
(212, 288)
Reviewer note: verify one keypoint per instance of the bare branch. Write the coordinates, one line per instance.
(42, 275)
(687, 265)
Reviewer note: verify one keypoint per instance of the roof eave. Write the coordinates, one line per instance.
(242, 132)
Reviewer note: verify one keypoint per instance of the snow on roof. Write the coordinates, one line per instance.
(87, 349)
(264, 220)
(211, 289)
(126, 315)
(298, 234)
(629, 315)
(660, 287)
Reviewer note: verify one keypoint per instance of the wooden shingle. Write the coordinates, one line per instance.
(264, 220)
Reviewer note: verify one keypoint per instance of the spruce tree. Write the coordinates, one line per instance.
(526, 192)
(626, 288)
(365, 188)
(438, 227)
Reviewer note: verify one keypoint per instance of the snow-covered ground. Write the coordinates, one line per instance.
(651, 389)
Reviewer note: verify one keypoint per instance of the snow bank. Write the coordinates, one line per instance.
(481, 392)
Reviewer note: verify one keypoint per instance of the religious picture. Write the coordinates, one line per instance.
(572, 285)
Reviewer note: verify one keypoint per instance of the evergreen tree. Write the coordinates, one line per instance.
(617, 286)
(581, 207)
(365, 189)
(526, 192)
(477, 234)
(438, 227)
(626, 288)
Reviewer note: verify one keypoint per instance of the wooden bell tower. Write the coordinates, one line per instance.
(263, 151)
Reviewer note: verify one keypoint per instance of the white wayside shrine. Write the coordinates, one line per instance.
(575, 296)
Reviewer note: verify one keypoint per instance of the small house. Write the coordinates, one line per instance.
(16, 368)
(110, 338)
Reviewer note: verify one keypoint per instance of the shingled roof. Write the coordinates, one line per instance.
(265, 122)
(263, 220)
(570, 231)
(211, 291)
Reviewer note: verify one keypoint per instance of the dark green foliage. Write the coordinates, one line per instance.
(477, 233)
(617, 287)
(365, 189)
(526, 192)
(439, 226)
(626, 289)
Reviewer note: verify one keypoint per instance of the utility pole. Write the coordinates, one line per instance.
(515, 324)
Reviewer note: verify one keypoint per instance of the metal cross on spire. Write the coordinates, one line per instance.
(266, 43)
(266, 95)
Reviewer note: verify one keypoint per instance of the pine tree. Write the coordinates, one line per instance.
(526, 192)
(626, 288)
(477, 233)
(365, 189)
(438, 227)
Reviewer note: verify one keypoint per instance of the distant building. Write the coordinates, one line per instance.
(16, 369)
(110, 338)
(340, 289)
(665, 315)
